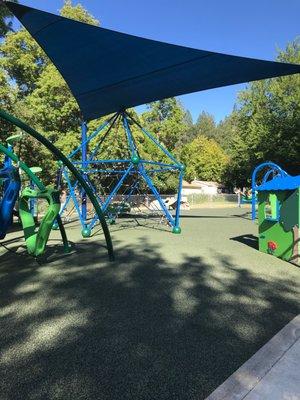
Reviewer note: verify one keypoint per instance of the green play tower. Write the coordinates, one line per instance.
(279, 218)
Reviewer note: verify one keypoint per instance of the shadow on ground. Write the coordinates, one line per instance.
(249, 240)
(206, 216)
(138, 328)
(245, 215)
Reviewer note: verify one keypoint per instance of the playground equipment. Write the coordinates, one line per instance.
(8, 212)
(108, 83)
(11, 186)
(245, 198)
(269, 170)
(36, 239)
(279, 217)
(122, 71)
(40, 239)
(123, 186)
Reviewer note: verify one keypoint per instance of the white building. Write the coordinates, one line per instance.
(200, 187)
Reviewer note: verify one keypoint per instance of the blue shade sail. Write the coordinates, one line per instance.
(109, 71)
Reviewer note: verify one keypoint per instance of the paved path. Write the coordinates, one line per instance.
(273, 373)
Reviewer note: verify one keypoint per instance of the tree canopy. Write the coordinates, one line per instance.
(266, 124)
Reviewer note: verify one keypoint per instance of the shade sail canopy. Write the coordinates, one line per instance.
(108, 71)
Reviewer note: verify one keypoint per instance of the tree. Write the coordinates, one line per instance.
(168, 121)
(205, 125)
(226, 131)
(78, 12)
(5, 19)
(41, 96)
(204, 159)
(268, 123)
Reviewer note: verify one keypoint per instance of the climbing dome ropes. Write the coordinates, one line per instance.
(109, 72)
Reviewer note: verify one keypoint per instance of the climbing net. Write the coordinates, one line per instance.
(126, 182)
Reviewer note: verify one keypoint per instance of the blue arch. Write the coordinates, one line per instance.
(272, 170)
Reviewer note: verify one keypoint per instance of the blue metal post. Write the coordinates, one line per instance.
(8, 160)
(84, 151)
(162, 148)
(157, 195)
(7, 163)
(133, 149)
(177, 216)
(32, 201)
(92, 136)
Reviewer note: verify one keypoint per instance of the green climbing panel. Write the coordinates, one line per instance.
(277, 234)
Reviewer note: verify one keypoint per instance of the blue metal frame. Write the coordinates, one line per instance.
(135, 166)
(274, 170)
(10, 175)
(7, 161)
(84, 165)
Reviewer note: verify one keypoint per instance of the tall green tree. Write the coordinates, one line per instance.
(206, 125)
(204, 159)
(41, 96)
(168, 121)
(268, 123)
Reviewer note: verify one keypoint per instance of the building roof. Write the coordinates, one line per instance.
(109, 71)
(196, 184)
(285, 183)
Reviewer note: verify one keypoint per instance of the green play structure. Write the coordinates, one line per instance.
(279, 218)
(36, 238)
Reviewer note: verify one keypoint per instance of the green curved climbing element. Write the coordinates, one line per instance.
(28, 171)
(59, 155)
(36, 238)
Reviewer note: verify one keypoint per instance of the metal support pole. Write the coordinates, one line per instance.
(32, 201)
(177, 216)
(132, 146)
(92, 136)
(7, 160)
(84, 150)
(157, 195)
(165, 151)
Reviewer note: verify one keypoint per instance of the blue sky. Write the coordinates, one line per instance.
(248, 28)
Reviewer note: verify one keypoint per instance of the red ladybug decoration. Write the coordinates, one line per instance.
(272, 245)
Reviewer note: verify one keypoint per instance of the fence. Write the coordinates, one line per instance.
(140, 200)
(197, 199)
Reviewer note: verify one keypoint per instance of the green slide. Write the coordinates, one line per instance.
(36, 238)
